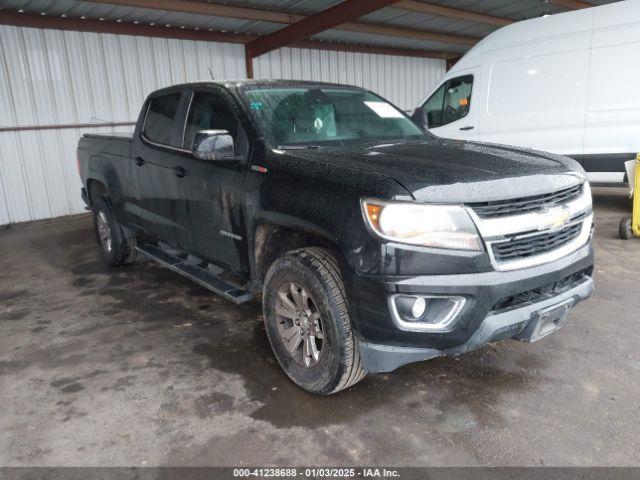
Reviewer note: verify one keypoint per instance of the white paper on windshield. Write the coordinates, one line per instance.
(384, 110)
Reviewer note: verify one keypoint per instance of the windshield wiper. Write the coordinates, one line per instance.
(298, 147)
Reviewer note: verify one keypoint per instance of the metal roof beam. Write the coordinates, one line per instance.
(189, 6)
(372, 49)
(319, 22)
(450, 12)
(572, 4)
(408, 33)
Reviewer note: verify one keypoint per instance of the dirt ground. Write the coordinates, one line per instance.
(138, 366)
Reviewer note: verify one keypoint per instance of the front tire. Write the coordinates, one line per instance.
(115, 247)
(308, 323)
(624, 230)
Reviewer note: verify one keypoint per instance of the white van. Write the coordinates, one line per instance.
(566, 83)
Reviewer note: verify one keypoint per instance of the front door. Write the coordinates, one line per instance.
(215, 190)
(451, 111)
(161, 206)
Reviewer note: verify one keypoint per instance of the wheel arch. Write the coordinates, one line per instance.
(96, 188)
(272, 239)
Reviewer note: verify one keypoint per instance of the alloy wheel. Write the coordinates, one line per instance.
(104, 231)
(299, 324)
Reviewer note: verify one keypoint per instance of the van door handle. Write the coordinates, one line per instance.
(180, 171)
(468, 127)
(140, 161)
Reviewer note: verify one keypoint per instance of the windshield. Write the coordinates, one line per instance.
(313, 116)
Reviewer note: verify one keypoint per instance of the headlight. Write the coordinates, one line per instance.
(586, 190)
(438, 226)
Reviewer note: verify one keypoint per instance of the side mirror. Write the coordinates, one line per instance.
(419, 116)
(214, 145)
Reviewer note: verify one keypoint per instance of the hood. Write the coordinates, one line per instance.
(441, 170)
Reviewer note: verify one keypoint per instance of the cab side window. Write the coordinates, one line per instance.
(209, 112)
(161, 114)
(450, 102)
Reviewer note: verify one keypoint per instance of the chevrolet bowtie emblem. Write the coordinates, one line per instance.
(553, 218)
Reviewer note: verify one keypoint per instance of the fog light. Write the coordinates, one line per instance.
(419, 307)
(425, 313)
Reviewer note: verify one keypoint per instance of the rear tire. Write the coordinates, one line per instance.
(624, 230)
(308, 323)
(115, 247)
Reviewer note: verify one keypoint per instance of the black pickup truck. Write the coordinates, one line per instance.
(372, 243)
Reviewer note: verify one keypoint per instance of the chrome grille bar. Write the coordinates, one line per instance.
(523, 240)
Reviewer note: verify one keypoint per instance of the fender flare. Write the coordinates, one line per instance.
(102, 170)
(260, 257)
(293, 222)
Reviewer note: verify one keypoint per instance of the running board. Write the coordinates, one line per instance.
(201, 276)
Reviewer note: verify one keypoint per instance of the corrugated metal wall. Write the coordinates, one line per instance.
(404, 81)
(55, 77)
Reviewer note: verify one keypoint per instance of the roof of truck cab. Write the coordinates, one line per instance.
(232, 84)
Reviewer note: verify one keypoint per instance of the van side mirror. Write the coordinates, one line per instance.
(419, 116)
(215, 145)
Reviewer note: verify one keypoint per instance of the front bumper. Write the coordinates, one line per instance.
(484, 319)
(520, 323)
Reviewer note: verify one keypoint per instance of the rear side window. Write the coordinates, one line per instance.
(160, 118)
(450, 102)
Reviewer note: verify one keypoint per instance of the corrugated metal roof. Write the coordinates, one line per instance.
(421, 21)
(391, 16)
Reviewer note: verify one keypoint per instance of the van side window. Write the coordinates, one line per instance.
(208, 112)
(160, 118)
(450, 102)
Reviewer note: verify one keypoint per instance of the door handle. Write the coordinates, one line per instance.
(140, 161)
(468, 127)
(180, 171)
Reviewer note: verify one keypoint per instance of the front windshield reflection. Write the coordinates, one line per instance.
(311, 117)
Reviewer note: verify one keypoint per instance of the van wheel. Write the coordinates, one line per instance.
(116, 249)
(624, 230)
(308, 324)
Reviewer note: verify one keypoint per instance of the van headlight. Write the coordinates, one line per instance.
(437, 226)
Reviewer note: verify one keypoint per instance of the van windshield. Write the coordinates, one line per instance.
(316, 116)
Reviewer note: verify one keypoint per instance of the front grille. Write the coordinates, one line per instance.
(535, 244)
(542, 293)
(524, 205)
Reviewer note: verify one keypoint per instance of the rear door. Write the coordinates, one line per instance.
(161, 206)
(451, 110)
(215, 190)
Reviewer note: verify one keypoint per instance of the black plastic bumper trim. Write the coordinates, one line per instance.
(386, 358)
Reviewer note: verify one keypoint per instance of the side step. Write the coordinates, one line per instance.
(201, 276)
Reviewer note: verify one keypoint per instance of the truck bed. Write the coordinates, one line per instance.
(122, 136)
(117, 144)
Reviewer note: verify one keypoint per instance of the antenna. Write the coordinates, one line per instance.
(211, 74)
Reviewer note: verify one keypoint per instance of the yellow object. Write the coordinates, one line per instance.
(630, 224)
(635, 215)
